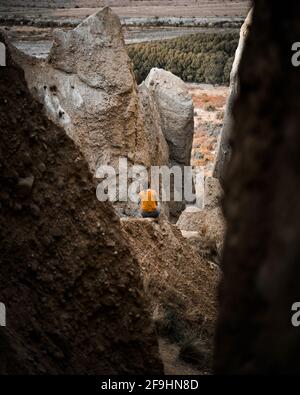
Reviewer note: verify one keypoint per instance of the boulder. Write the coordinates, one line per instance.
(192, 219)
(176, 110)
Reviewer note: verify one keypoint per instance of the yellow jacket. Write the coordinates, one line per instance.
(148, 201)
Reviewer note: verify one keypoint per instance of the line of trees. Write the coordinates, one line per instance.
(202, 57)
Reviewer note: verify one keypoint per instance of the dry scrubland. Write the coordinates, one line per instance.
(202, 58)
(209, 103)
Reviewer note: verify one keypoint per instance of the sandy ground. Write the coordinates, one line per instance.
(209, 103)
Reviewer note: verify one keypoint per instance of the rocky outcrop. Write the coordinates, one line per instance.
(72, 289)
(176, 111)
(175, 107)
(87, 86)
(224, 145)
(159, 149)
(260, 283)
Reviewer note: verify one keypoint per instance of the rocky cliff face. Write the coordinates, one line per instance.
(73, 291)
(261, 257)
(224, 143)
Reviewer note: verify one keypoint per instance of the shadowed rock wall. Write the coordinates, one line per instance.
(261, 257)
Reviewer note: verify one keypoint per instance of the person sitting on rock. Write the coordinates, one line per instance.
(149, 204)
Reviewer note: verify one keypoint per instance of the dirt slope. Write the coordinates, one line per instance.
(180, 284)
(72, 290)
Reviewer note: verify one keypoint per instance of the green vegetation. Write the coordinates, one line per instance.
(202, 58)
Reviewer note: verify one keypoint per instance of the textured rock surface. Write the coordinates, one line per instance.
(213, 193)
(73, 291)
(159, 150)
(192, 217)
(224, 143)
(261, 255)
(176, 110)
(87, 86)
(208, 223)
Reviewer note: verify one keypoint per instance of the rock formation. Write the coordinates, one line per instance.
(176, 111)
(260, 283)
(159, 149)
(224, 143)
(72, 289)
(87, 86)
